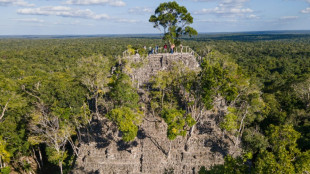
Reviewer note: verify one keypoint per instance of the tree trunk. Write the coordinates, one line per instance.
(60, 166)
(40, 156)
(241, 125)
(189, 137)
(79, 135)
(4, 109)
(96, 105)
(1, 162)
(162, 99)
(74, 147)
(153, 111)
(35, 158)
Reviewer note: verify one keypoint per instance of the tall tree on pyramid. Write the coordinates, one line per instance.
(173, 20)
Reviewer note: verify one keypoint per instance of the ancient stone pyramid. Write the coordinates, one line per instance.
(151, 151)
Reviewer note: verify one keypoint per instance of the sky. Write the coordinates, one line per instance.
(90, 17)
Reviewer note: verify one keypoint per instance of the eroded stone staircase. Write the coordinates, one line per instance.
(159, 62)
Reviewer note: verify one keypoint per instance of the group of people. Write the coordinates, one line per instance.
(155, 50)
(152, 50)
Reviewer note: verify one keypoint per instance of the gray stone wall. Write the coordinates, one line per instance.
(158, 62)
(151, 152)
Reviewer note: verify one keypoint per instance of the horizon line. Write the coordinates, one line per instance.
(213, 32)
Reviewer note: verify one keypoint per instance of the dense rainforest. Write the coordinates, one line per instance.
(52, 88)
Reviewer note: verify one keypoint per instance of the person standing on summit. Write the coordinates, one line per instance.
(165, 48)
(181, 48)
(150, 50)
(171, 48)
(156, 49)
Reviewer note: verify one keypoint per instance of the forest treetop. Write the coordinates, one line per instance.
(270, 80)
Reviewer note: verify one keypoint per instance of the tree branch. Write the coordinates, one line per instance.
(4, 109)
(29, 93)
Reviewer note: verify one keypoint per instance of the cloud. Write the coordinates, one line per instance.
(228, 8)
(202, 0)
(15, 2)
(140, 10)
(284, 20)
(289, 17)
(224, 11)
(252, 16)
(217, 21)
(75, 22)
(32, 20)
(121, 20)
(64, 11)
(305, 11)
(116, 3)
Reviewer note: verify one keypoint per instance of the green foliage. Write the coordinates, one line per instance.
(268, 162)
(177, 122)
(4, 154)
(283, 136)
(230, 121)
(275, 114)
(142, 52)
(122, 92)
(174, 20)
(56, 89)
(127, 121)
(302, 163)
(284, 156)
(304, 141)
(264, 81)
(190, 121)
(125, 113)
(55, 156)
(209, 76)
(254, 141)
(221, 78)
(172, 94)
(12, 120)
(220, 75)
(163, 79)
(230, 166)
(279, 71)
(5, 170)
(93, 72)
(10, 99)
(56, 113)
(130, 50)
(173, 86)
